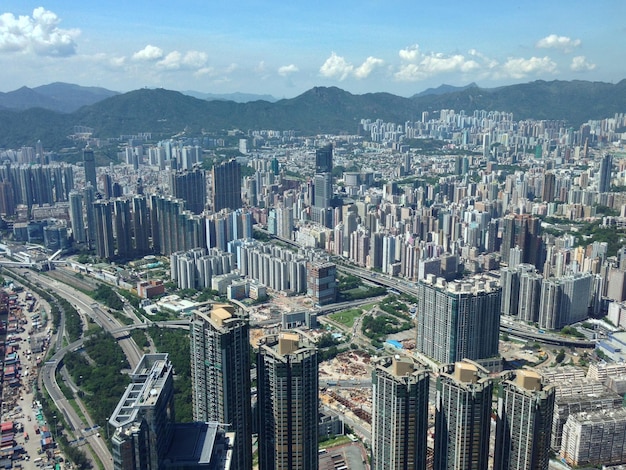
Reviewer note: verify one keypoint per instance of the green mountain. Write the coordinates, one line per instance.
(319, 110)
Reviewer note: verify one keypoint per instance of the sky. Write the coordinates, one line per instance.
(285, 48)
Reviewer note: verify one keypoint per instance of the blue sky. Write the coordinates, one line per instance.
(285, 48)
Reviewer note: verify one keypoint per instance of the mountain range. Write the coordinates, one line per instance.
(319, 110)
(61, 97)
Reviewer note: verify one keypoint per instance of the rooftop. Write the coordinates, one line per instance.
(148, 379)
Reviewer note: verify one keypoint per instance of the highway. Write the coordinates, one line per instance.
(523, 331)
(92, 309)
(507, 325)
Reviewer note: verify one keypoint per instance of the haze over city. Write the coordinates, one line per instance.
(284, 49)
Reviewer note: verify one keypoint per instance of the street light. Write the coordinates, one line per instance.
(54, 418)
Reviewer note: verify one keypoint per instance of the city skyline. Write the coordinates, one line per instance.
(284, 50)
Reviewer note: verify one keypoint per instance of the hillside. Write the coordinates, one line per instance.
(319, 110)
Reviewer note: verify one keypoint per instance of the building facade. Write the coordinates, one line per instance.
(143, 419)
(462, 417)
(458, 320)
(220, 375)
(287, 378)
(399, 415)
(322, 282)
(524, 422)
(226, 186)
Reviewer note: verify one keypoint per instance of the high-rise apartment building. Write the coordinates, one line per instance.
(7, 199)
(549, 182)
(122, 227)
(522, 231)
(220, 375)
(76, 217)
(462, 419)
(287, 383)
(89, 195)
(190, 186)
(399, 415)
(89, 163)
(141, 225)
(529, 296)
(524, 422)
(458, 320)
(565, 300)
(226, 181)
(105, 238)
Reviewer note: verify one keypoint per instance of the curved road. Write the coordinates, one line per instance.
(109, 324)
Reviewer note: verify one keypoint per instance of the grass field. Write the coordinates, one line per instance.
(347, 317)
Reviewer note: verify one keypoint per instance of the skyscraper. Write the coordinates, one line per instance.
(220, 374)
(462, 419)
(604, 174)
(323, 195)
(76, 217)
(122, 227)
(105, 240)
(190, 186)
(458, 320)
(522, 231)
(524, 422)
(145, 433)
(324, 159)
(141, 225)
(549, 182)
(89, 163)
(565, 300)
(322, 282)
(226, 186)
(399, 415)
(89, 194)
(287, 375)
(144, 417)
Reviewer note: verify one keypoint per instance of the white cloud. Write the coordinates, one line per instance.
(419, 66)
(217, 75)
(411, 53)
(39, 34)
(336, 67)
(171, 61)
(580, 64)
(205, 71)
(117, 61)
(439, 63)
(367, 67)
(520, 67)
(148, 53)
(339, 68)
(564, 43)
(487, 62)
(195, 59)
(175, 60)
(287, 70)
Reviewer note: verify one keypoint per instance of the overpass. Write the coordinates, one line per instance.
(547, 338)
